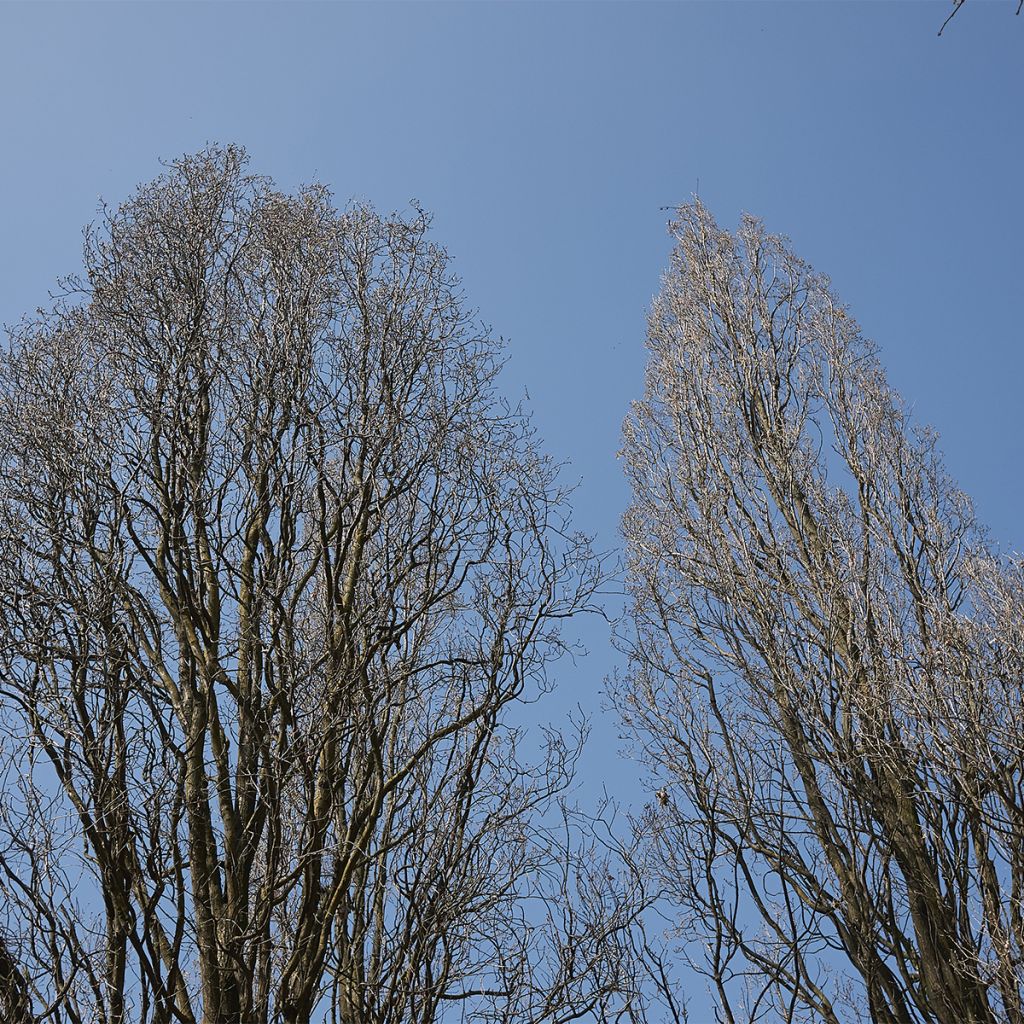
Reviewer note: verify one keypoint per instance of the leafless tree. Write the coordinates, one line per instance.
(277, 566)
(826, 663)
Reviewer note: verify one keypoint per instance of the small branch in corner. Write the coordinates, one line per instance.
(957, 4)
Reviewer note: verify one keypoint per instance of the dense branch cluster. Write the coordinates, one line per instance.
(277, 563)
(826, 663)
(279, 568)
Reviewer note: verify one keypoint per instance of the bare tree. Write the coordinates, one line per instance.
(278, 565)
(826, 663)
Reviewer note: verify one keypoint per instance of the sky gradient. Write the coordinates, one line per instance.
(547, 140)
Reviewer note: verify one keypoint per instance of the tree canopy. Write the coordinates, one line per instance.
(277, 564)
(825, 662)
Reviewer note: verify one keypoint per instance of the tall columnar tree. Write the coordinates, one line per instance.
(277, 564)
(826, 662)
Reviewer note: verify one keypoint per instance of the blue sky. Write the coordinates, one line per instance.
(546, 139)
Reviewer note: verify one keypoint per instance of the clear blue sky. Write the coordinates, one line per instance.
(546, 139)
